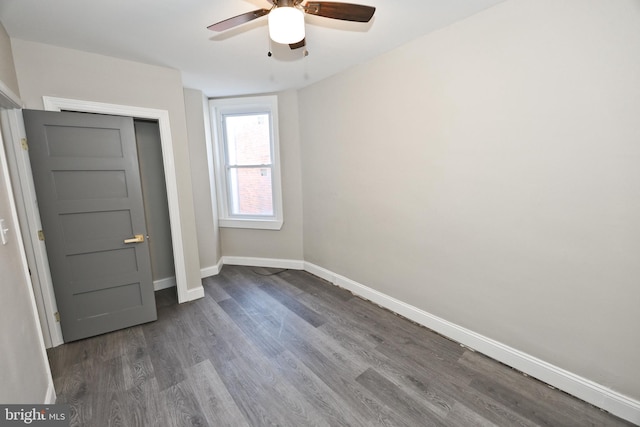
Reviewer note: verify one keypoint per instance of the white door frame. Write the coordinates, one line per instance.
(35, 250)
(10, 104)
(29, 217)
(47, 297)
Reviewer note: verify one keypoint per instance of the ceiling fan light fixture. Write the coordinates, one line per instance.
(286, 25)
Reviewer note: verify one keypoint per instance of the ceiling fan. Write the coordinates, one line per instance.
(286, 18)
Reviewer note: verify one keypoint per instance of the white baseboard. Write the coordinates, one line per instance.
(194, 294)
(167, 282)
(212, 270)
(292, 264)
(587, 390)
(50, 397)
(323, 273)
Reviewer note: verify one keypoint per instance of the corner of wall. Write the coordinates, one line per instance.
(8, 76)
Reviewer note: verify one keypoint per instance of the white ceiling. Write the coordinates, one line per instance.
(174, 34)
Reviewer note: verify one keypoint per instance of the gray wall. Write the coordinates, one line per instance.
(49, 70)
(154, 193)
(24, 373)
(285, 243)
(206, 218)
(488, 174)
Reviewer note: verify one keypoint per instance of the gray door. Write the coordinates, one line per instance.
(85, 170)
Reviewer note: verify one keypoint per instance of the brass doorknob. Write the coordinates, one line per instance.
(138, 238)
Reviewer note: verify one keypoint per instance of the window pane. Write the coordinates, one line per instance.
(248, 139)
(250, 191)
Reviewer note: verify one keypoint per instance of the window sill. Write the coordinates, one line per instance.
(259, 224)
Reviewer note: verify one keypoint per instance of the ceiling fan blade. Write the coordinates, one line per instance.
(238, 20)
(298, 45)
(343, 11)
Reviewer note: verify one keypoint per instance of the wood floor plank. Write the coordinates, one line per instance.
(70, 382)
(118, 343)
(252, 375)
(419, 384)
(137, 368)
(256, 381)
(489, 409)
(444, 371)
(318, 353)
(398, 331)
(226, 335)
(252, 328)
(214, 290)
(143, 405)
(514, 388)
(166, 362)
(338, 371)
(181, 406)
(227, 346)
(248, 396)
(338, 314)
(79, 400)
(109, 377)
(217, 404)
(283, 347)
(166, 297)
(429, 391)
(304, 312)
(422, 384)
(534, 411)
(243, 287)
(316, 391)
(460, 415)
(64, 357)
(393, 396)
(413, 382)
(315, 286)
(284, 327)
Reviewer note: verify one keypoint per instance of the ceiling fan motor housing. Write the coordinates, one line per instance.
(285, 3)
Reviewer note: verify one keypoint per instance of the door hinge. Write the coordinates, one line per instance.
(41, 235)
(57, 316)
(23, 144)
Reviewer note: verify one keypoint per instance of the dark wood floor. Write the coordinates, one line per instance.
(270, 347)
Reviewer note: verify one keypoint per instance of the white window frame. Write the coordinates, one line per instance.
(246, 105)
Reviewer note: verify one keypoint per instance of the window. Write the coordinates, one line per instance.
(247, 162)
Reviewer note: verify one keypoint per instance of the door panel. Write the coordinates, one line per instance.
(85, 170)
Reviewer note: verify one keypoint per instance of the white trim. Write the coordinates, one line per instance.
(30, 223)
(212, 270)
(57, 104)
(8, 99)
(253, 104)
(167, 282)
(292, 264)
(194, 294)
(50, 397)
(23, 263)
(587, 390)
(260, 224)
(322, 273)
